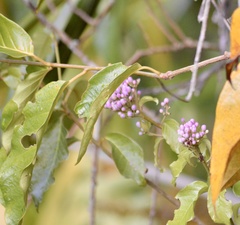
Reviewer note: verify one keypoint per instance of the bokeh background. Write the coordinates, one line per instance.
(170, 31)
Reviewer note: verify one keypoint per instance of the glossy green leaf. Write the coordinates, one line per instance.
(222, 211)
(15, 172)
(100, 88)
(146, 99)
(53, 150)
(177, 166)
(12, 113)
(169, 132)
(128, 157)
(188, 197)
(14, 41)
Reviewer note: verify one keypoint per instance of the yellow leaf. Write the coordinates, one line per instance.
(225, 157)
(234, 43)
(235, 34)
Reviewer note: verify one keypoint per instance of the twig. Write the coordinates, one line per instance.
(71, 44)
(199, 48)
(174, 201)
(57, 57)
(70, 89)
(53, 65)
(153, 206)
(161, 27)
(93, 199)
(79, 12)
(171, 74)
(97, 21)
(188, 43)
(221, 14)
(172, 23)
(92, 206)
(169, 92)
(75, 119)
(206, 74)
(166, 75)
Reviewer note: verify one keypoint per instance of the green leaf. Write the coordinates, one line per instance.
(14, 41)
(222, 212)
(205, 148)
(236, 216)
(236, 189)
(146, 99)
(145, 125)
(11, 75)
(169, 132)
(177, 166)
(52, 151)
(188, 197)
(15, 172)
(39, 3)
(128, 157)
(100, 88)
(12, 113)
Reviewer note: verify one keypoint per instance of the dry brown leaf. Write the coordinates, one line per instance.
(225, 159)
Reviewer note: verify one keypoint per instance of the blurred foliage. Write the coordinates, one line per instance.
(128, 27)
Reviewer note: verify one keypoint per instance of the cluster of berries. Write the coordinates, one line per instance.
(143, 126)
(165, 107)
(124, 99)
(190, 132)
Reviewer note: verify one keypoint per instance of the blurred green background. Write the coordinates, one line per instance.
(129, 26)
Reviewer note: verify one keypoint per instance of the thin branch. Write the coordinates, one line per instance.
(53, 65)
(206, 75)
(206, 5)
(171, 22)
(171, 74)
(171, 199)
(188, 43)
(221, 14)
(145, 34)
(57, 54)
(71, 44)
(94, 172)
(167, 75)
(97, 21)
(161, 27)
(82, 14)
(174, 201)
(169, 92)
(152, 212)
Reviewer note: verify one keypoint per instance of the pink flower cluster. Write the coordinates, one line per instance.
(124, 99)
(190, 132)
(165, 107)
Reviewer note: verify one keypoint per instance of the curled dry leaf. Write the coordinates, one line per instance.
(225, 166)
